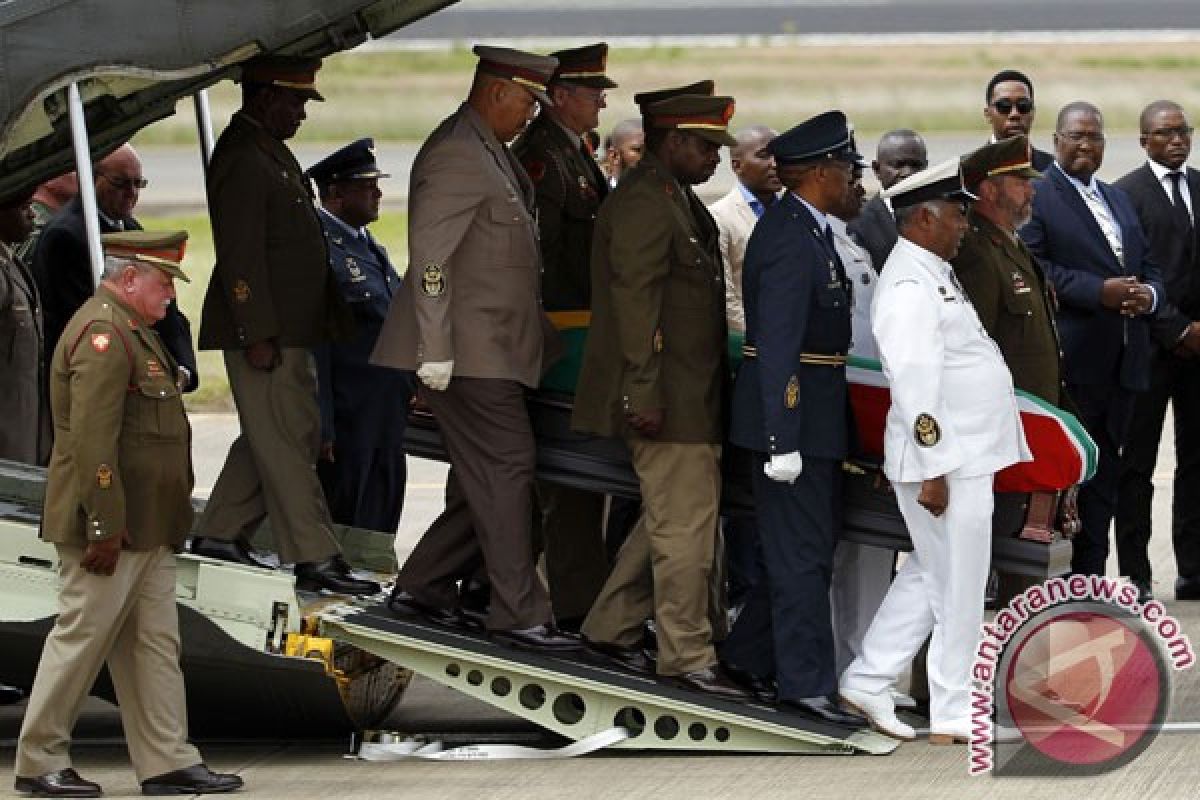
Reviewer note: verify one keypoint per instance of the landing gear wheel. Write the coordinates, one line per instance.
(373, 687)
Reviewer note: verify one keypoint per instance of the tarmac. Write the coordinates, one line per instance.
(292, 770)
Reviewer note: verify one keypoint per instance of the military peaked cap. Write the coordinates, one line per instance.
(942, 181)
(707, 117)
(161, 249)
(288, 72)
(825, 136)
(527, 70)
(354, 161)
(643, 99)
(584, 66)
(1012, 156)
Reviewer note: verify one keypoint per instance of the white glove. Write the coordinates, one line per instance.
(784, 468)
(436, 374)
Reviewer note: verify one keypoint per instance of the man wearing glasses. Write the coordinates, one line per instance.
(569, 188)
(1087, 236)
(64, 273)
(1010, 110)
(1165, 193)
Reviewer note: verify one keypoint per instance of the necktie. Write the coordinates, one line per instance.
(1181, 209)
(1106, 222)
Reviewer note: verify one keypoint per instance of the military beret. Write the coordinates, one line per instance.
(528, 70)
(707, 117)
(354, 161)
(643, 99)
(288, 72)
(1012, 156)
(161, 249)
(825, 136)
(583, 66)
(942, 181)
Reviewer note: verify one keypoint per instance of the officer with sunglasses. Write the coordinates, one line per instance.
(1010, 111)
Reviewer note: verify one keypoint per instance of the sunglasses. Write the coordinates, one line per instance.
(125, 184)
(1023, 105)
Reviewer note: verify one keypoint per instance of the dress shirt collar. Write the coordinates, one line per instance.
(751, 200)
(930, 261)
(575, 138)
(1080, 186)
(821, 219)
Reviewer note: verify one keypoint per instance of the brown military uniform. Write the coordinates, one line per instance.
(658, 340)
(24, 412)
(272, 281)
(121, 464)
(1006, 285)
(569, 188)
(471, 297)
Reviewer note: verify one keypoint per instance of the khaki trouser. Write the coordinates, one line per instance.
(271, 467)
(128, 619)
(676, 538)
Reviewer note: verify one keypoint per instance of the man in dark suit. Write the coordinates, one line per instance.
(900, 153)
(1165, 193)
(790, 409)
(64, 273)
(1009, 110)
(364, 408)
(1091, 245)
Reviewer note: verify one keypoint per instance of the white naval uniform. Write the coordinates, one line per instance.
(940, 363)
(861, 573)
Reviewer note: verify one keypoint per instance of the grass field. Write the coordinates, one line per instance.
(213, 394)
(401, 95)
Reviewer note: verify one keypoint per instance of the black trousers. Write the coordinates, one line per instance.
(784, 629)
(1178, 381)
(364, 487)
(1104, 412)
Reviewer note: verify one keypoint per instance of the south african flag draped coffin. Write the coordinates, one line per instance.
(1063, 453)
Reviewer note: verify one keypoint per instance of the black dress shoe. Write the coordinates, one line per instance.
(10, 695)
(630, 658)
(1187, 588)
(710, 681)
(61, 783)
(236, 552)
(191, 780)
(332, 575)
(824, 709)
(546, 638)
(762, 688)
(403, 604)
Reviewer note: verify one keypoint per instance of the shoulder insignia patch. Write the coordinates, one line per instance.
(791, 394)
(926, 430)
(433, 282)
(101, 342)
(241, 292)
(104, 476)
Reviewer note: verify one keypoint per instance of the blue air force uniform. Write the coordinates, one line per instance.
(363, 407)
(791, 397)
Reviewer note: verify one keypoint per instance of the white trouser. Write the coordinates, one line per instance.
(940, 589)
(861, 576)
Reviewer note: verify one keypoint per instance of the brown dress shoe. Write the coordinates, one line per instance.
(711, 681)
(60, 783)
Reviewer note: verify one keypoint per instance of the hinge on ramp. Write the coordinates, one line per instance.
(577, 699)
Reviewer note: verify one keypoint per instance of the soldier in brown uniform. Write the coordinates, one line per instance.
(569, 188)
(272, 298)
(24, 412)
(118, 504)
(470, 322)
(655, 372)
(998, 273)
